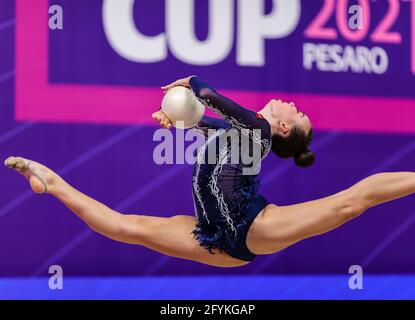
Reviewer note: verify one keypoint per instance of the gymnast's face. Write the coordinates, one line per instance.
(284, 116)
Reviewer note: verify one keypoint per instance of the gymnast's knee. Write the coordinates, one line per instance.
(133, 229)
(352, 204)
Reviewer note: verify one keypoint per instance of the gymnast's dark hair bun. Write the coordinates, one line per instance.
(304, 159)
(296, 145)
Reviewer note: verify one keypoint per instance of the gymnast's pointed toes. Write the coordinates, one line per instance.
(15, 163)
(10, 162)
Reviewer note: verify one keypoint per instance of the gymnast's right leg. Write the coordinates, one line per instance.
(171, 236)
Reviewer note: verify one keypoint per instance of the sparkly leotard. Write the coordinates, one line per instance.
(225, 197)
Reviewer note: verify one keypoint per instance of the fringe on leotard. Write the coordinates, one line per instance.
(215, 235)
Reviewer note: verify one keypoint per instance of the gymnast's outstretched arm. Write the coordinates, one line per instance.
(232, 112)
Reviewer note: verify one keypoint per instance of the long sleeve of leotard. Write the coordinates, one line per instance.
(208, 123)
(232, 112)
(213, 123)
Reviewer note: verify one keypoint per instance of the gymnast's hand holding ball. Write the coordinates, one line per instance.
(162, 119)
(180, 107)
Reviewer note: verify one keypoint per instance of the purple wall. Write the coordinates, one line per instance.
(37, 231)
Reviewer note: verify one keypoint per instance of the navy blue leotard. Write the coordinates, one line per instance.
(226, 199)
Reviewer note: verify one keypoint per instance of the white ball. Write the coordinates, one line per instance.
(182, 107)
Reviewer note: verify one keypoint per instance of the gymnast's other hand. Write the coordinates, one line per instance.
(162, 119)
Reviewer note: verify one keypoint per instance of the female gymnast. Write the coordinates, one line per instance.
(233, 222)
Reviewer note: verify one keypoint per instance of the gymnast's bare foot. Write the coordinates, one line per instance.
(40, 177)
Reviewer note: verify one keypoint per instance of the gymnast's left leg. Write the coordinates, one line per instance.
(276, 228)
(171, 236)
